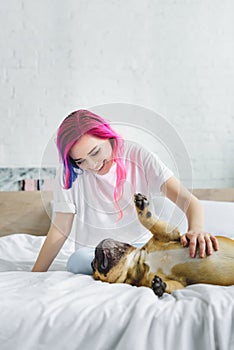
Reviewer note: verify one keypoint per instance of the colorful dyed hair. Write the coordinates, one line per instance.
(69, 132)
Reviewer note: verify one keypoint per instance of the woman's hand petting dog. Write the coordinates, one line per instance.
(202, 241)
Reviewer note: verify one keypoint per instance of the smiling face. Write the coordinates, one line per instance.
(92, 154)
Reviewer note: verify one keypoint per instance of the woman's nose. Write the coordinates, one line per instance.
(92, 164)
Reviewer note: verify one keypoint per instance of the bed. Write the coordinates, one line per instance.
(60, 310)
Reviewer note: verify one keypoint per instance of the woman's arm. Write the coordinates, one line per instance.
(57, 235)
(196, 234)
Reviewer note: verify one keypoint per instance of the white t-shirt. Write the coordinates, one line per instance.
(91, 198)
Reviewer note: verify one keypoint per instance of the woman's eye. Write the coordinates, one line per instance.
(94, 154)
(79, 162)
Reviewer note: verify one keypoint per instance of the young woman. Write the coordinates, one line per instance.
(98, 176)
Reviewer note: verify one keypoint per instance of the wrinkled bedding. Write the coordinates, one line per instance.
(60, 310)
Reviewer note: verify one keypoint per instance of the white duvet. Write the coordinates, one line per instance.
(60, 310)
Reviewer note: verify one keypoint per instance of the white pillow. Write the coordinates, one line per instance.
(219, 216)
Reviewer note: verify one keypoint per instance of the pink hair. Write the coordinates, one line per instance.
(83, 122)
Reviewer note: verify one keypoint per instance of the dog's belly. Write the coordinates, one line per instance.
(217, 268)
(164, 260)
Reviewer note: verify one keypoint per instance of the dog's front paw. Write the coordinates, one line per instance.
(158, 286)
(141, 201)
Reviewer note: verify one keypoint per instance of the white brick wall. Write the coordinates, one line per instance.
(174, 56)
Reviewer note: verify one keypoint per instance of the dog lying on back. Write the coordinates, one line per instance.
(162, 263)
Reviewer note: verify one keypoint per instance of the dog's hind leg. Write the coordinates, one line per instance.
(161, 230)
(160, 284)
(172, 285)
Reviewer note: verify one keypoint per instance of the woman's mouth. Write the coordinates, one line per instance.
(104, 162)
(104, 169)
(101, 167)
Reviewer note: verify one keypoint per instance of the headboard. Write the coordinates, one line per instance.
(26, 212)
(215, 194)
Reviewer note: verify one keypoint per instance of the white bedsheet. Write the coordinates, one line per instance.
(59, 310)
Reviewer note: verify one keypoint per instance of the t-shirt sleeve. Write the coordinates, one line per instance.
(156, 171)
(63, 199)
